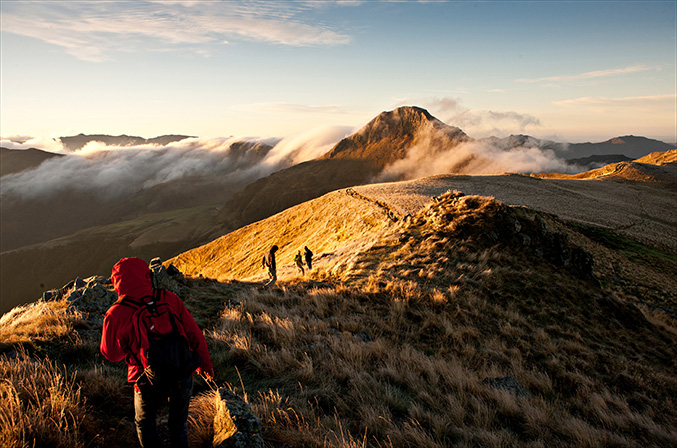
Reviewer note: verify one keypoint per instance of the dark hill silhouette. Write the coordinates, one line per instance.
(17, 160)
(75, 209)
(75, 142)
(599, 161)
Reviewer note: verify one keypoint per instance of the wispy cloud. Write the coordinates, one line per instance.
(637, 102)
(93, 30)
(589, 75)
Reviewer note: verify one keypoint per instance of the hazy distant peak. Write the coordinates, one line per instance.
(75, 142)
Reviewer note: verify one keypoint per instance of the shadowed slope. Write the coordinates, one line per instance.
(17, 160)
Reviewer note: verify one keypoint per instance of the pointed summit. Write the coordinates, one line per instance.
(389, 136)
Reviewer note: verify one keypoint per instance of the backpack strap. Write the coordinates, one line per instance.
(132, 303)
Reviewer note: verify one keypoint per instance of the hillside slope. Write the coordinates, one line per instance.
(470, 323)
(640, 211)
(15, 160)
(334, 222)
(659, 167)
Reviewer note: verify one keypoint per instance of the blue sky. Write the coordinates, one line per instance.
(574, 71)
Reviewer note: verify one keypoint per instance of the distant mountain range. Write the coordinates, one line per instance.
(75, 142)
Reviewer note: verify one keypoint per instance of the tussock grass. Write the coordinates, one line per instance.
(41, 405)
(446, 308)
(38, 321)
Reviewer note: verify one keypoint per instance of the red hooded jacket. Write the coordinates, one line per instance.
(131, 278)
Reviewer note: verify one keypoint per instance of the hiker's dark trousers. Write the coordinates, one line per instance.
(148, 398)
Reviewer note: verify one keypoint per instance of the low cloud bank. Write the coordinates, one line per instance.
(473, 158)
(27, 142)
(116, 171)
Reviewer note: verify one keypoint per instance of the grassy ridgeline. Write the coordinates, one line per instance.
(392, 350)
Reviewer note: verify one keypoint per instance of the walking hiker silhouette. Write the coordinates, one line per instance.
(309, 257)
(269, 262)
(298, 260)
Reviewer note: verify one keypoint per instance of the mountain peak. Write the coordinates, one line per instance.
(390, 134)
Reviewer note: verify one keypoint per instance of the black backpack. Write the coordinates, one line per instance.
(167, 356)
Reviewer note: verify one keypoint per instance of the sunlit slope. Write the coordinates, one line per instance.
(645, 211)
(660, 167)
(335, 227)
(340, 224)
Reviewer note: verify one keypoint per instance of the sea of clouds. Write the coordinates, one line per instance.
(115, 171)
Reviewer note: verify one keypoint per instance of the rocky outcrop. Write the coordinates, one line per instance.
(95, 294)
(234, 424)
(489, 222)
(92, 294)
(165, 277)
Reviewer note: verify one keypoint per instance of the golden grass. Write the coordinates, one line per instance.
(392, 349)
(38, 321)
(41, 405)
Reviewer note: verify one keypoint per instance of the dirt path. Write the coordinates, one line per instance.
(644, 211)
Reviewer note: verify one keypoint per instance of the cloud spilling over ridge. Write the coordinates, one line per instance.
(114, 171)
(26, 142)
(306, 145)
(476, 157)
(480, 123)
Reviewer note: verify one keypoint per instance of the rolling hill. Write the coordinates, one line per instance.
(658, 167)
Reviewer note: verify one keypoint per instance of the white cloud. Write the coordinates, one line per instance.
(26, 142)
(115, 171)
(478, 123)
(589, 75)
(306, 145)
(472, 158)
(93, 30)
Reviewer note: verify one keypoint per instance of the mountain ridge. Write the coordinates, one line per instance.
(76, 142)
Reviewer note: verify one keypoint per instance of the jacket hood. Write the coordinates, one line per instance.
(131, 278)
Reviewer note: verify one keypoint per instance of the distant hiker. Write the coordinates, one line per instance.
(269, 262)
(144, 327)
(298, 261)
(309, 257)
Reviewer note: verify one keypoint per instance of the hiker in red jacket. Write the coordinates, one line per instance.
(121, 341)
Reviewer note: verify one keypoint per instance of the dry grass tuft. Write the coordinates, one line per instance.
(38, 321)
(40, 405)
